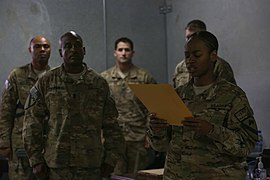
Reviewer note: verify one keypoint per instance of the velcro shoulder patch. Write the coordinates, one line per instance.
(243, 114)
(34, 96)
(7, 84)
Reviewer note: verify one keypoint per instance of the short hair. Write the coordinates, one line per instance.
(125, 40)
(71, 33)
(32, 40)
(198, 23)
(208, 38)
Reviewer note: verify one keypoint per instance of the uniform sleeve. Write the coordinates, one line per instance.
(114, 139)
(151, 80)
(160, 140)
(35, 116)
(8, 111)
(148, 78)
(224, 70)
(181, 75)
(240, 135)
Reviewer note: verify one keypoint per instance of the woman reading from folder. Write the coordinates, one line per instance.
(215, 142)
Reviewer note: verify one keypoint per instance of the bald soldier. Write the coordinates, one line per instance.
(16, 90)
(71, 104)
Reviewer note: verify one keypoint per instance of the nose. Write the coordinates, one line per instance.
(190, 59)
(123, 52)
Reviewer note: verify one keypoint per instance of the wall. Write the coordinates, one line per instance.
(141, 21)
(21, 20)
(241, 26)
(242, 29)
(99, 22)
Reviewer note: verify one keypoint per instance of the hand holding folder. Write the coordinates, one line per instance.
(163, 100)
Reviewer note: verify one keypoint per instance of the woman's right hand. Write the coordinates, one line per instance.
(41, 171)
(156, 124)
(6, 152)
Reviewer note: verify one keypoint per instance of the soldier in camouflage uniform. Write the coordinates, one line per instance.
(222, 67)
(18, 84)
(213, 144)
(132, 114)
(64, 115)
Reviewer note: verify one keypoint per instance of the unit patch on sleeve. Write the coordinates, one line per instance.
(33, 97)
(243, 114)
(7, 84)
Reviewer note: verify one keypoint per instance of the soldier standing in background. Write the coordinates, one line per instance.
(64, 115)
(215, 142)
(18, 84)
(132, 114)
(222, 67)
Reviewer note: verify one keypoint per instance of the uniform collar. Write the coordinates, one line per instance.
(207, 94)
(32, 74)
(133, 73)
(66, 78)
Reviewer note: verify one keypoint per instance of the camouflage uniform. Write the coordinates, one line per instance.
(19, 82)
(132, 116)
(222, 69)
(64, 119)
(222, 152)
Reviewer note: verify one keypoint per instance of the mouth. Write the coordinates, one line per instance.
(43, 55)
(123, 58)
(191, 69)
(74, 57)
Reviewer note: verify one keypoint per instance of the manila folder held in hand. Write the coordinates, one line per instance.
(163, 100)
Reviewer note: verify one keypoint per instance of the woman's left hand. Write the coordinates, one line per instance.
(200, 126)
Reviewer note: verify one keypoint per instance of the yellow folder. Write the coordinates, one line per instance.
(163, 100)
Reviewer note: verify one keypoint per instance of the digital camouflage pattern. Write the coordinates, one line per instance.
(17, 87)
(133, 117)
(64, 119)
(222, 153)
(222, 70)
(74, 173)
(132, 114)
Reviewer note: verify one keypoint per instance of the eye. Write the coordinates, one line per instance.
(124, 49)
(187, 55)
(197, 55)
(68, 46)
(36, 46)
(127, 50)
(46, 46)
(77, 45)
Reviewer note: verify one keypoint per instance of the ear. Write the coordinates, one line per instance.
(60, 52)
(83, 50)
(213, 56)
(29, 49)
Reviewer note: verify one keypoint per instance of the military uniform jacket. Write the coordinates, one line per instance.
(18, 84)
(64, 118)
(222, 70)
(132, 114)
(222, 151)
